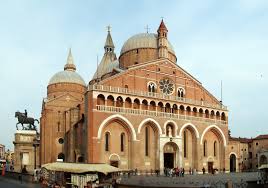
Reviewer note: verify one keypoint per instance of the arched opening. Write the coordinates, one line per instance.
(171, 153)
(152, 106)
(110, 100)
(181, 109)
(212, 114)
(263, 160)
(213, 141)
(206, 113)
(119, 101)
(136, 104)
(152, 87)
(174, 109)
(128, 103)
(150, 136)
(232, 163)
(115, 141)
(168, 108)
(188, 110)
(195, 111)
(160, 107)
(100, 100)
(144, 105)
(223, 116)
(201, 112)
(61, 156)
(190, 146)
(218, 115)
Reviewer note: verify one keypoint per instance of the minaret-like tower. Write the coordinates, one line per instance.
(162, 41)
(70, 66)
(109, 45)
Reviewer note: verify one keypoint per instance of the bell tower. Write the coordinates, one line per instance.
(162, 40)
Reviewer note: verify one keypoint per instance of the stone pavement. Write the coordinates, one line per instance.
(11, 183)
(207, 180)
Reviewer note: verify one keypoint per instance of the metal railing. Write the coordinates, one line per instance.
(113, 109)
(154, 95)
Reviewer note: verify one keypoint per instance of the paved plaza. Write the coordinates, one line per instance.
(207, 180)
(11, 183)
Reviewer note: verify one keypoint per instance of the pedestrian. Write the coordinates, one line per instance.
(183, 172)
(190, 170)
(203, 169)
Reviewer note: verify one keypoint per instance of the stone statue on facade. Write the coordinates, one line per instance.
(24, 119)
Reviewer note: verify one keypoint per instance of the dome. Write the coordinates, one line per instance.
(143, 40)
(67, 76)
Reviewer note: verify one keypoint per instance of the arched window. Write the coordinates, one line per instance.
(185, 144)
(107, 141)
(152, 87)
(215, 149)
(181, 92)
(122, 141)
(205, 148)
(146, 141)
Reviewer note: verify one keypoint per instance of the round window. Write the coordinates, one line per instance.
(166, 86)
(61, 141)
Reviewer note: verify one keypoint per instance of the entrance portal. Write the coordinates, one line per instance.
(232, 163)
(210, 167)
(171, 151)
(169, 160)
(114, 163)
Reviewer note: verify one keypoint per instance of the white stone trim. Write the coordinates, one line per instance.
(234, 154)
(218, 129)
(132, 130)
(115, 155)
(148, 120)
(191, 125)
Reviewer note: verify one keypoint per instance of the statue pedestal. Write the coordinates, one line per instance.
(26, 150)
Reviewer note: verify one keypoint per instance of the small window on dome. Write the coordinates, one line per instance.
(136, 63)
(158, 69)
(137, 51)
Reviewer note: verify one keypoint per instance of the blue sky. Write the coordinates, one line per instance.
(213, 40)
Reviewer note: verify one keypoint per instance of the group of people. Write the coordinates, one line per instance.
(174, 172)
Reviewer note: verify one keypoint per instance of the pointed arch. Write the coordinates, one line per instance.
(190, 125)
(218, 129)
(150, 120)
(117, 116)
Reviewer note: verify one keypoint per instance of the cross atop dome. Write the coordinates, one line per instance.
(70, 66)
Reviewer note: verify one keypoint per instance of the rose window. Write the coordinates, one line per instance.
(166, 86)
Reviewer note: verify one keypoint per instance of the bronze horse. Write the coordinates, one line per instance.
(23, 119)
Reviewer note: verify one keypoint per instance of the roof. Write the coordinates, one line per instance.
(80, 167)
(67, 76)
(143, 40)
(106, 65)
(242, 140)
(262, 136)
(109, 41)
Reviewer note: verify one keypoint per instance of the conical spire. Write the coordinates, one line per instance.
(162, 26)
(70, 66)
(109, 45)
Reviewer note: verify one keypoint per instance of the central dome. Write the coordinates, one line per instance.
(143, 40)
(67, 76)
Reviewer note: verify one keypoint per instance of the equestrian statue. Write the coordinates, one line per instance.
(24, 119)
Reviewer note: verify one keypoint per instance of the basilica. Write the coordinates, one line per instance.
(140, 110)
